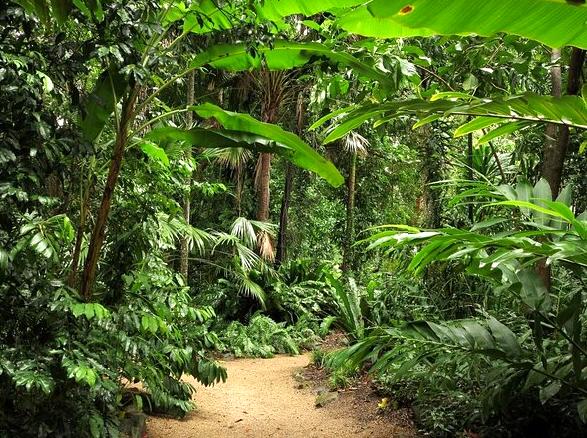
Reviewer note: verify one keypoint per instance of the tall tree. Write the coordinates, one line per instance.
(557, 139)
(273, 89)
(184, 244)
(98, 233)
(288, 187)
(354, 144)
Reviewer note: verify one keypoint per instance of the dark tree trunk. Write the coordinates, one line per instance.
(283, 216)
(349, 237)
(470, 172)
(97, 239)
(557, 139)
(289, 177)
(184, 247)
(83, 214)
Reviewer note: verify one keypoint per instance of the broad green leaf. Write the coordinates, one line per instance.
(61, 10)
(475, 125)
(534, 293)
(549, 391)
(504, 337)
(542, 190)
(297, 151)
(531, 206)
(205, 17)
(155, 152)
(275, 10)
(521, 110)
(504, 129)
(426, 120)
(40, 8)
(284, 55)
(582, 410)
(546, 21)
(99, 105)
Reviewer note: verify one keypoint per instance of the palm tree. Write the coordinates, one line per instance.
(275, 91)
(184, 244)
(355, 145)
(236, 160)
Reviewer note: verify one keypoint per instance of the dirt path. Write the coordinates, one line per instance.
(262, 399)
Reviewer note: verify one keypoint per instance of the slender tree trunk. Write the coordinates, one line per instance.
(432, 158)
(555, 148)
(83, 213)
(557, 139)
(239, 189)
(552, 154)
(263, 180)
(184, 245)
(350, 215)
(470, 172)
(97, 239)
(289, 176)
(283, 216)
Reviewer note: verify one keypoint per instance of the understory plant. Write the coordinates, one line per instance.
(535, 350)
(263, 337)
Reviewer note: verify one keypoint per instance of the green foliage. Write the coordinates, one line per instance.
(468, 334)
(510, 113)
(263, 337)
(540, 356)
(542, 20)
(296, 151)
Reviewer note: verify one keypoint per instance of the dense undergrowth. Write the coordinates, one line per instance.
(171, 193)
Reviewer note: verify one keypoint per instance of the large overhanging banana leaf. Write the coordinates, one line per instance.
(215, 138)
(505, 114)
(200, 17)
(99, 105)
(60, 10)
(242, 130)
(275, 10)
(555, 23)
(283, 55)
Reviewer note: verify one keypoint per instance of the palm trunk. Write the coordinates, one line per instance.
(263, 179)
(97, 239)
(350, 216)
(184, 246)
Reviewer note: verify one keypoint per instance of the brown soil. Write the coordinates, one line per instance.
(275, 398)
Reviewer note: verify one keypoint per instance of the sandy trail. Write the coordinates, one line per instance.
(262, 399)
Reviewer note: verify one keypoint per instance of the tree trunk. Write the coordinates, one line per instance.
(283, 216)
(552, 154)
(432, 158)
(83, 214)
(91, 265)
(263, 179)
(184, 244)
(557, 138)
(470, 172)
(350, 216)
(289, 176)
(555, 148)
